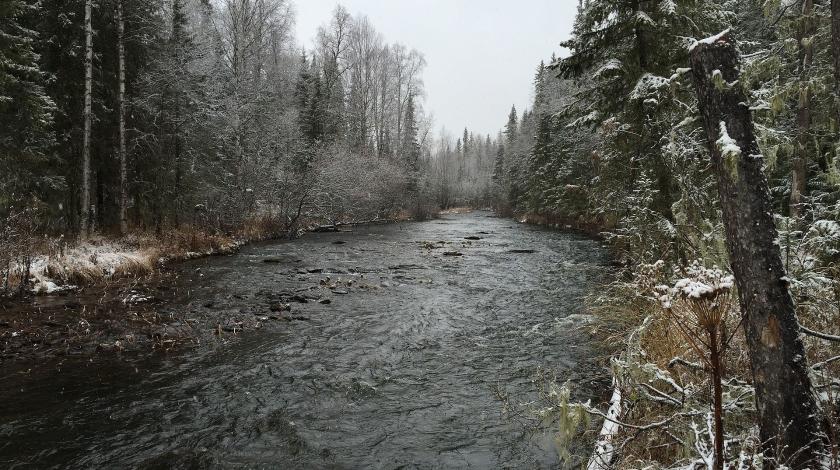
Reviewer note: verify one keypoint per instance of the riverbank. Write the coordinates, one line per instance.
(104, 295)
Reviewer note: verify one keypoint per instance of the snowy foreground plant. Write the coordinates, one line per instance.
(673, 390)
(698, 307)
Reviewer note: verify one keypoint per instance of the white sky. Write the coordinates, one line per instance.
(481, 54)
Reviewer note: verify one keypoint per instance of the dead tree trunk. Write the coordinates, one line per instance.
(84, 220)
(799, 167)
(789, 418)
(121, 106)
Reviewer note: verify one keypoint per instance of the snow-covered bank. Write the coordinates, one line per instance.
(64, 267)
(88, 262)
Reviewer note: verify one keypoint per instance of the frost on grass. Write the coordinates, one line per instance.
(86, 263)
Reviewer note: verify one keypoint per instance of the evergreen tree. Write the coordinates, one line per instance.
(410, 146)
(25, 110)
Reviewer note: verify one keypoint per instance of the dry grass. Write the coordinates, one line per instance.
(654, 355)
(57, 262)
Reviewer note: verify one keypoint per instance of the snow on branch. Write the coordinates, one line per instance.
(710, 39)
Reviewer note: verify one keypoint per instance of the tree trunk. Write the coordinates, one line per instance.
(835, 52)
(84, 220)
(835, 41)
(799, 167)
(789, 417)
(121, 106)
(715, 356)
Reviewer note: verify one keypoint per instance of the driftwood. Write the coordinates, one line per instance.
(604, 452)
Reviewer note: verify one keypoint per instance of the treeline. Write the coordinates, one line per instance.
(119, 115)
(615, 142)
(461, 173)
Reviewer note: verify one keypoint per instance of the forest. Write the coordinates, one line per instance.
(197, 116)
(698, 139)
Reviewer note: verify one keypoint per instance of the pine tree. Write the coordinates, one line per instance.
(410, 147)
(466, 140)
(25, 110)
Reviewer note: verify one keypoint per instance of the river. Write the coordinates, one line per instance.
(397, 359)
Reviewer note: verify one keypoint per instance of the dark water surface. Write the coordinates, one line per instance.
(401, 370)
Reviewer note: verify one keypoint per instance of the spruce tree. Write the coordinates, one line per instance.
(25, 109)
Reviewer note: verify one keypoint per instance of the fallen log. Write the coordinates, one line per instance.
(604, 452)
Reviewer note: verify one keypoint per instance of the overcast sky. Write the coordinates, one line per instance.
(481, 54)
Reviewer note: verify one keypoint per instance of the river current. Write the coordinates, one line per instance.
(405, 340)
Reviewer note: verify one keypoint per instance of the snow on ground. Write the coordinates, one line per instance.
(87, 261)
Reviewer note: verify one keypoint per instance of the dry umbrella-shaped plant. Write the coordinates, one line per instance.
(698, 306)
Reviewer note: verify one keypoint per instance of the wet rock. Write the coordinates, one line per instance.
(399, 267)
(134, 299)
(231, 327)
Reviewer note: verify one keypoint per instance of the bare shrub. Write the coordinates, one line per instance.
(17, 246)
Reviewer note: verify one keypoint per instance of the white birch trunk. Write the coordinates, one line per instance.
(84, 221)
(121, 105)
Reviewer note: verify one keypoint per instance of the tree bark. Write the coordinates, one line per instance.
(835, 41)
(121, 107)
(835, 52)
(84, 220)
(799, 167)
(790, 424)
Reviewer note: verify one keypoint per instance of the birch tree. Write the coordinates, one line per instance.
(85, 206)
(121, 151)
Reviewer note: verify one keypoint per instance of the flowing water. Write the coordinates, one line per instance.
(403, 368)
